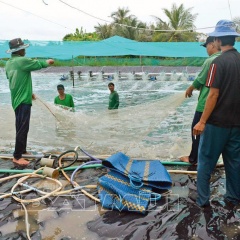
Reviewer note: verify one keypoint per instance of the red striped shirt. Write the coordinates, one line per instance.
(211, 75)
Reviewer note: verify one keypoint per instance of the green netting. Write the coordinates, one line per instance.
(114, 46)
(133, 61)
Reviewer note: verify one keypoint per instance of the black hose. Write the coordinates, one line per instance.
(71, 162)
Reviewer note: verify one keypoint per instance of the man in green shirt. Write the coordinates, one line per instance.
(63, 99)
(199, 84)
(18, 70)
(113, 97)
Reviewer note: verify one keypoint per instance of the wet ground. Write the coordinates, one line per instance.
(175, 216)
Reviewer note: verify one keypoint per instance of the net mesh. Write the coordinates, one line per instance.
(137, 130)
(153, 121)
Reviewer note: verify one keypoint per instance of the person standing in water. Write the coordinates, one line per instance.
(18, 71)
(63, 99)
(113, 97)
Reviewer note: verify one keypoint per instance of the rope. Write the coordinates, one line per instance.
(48, 108)
(46, 195)
(58, 191)
(75, 184)
(26, 221)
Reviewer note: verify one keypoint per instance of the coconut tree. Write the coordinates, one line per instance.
(121, 15)
(125, 24)
(237, 22)
(180, 24)
(104, 31)
(129, 29)
(145, 32)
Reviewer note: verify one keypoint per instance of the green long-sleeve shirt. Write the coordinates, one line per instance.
(67, 101)
(113, 100)
(18, 71)
(200, 81)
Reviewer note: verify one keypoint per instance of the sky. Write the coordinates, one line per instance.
(52, 19)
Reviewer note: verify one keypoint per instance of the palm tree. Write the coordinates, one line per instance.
(125, 24)
(236, 20)
(180, 24)
(145, 32)
(121, 15)
(104, 31)
(129, 29)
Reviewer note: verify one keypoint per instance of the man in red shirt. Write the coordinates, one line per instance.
(219, 125)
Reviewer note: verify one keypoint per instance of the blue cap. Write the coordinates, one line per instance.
(225, 28)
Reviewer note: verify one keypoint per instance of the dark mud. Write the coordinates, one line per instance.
(175, 216)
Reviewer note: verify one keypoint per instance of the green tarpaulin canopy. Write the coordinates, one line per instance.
(114, 46)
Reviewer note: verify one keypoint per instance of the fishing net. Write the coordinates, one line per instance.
(152, 122)
(140, 131)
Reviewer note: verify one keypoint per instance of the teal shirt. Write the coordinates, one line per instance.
(18, 71)
(67, 101)
(200, 81)
(113, 100)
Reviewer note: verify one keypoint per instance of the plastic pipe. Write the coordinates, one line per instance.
(176, 163)
(36, 156)
(83, 166)
(31, 171)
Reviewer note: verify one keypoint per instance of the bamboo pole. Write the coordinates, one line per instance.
(73, 70)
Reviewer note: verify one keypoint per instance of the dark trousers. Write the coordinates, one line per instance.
(215, 141)
(22, 114)
(193, 157)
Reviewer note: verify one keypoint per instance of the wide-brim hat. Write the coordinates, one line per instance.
(208, 40)
(15, 45)
(225, 28)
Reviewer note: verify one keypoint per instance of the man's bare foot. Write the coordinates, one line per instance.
(184, 159)
(20, 162)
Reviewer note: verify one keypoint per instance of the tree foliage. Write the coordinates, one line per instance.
(104, 31)
(179, 27)
(80, 35)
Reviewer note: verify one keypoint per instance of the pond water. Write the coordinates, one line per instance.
(153, 120)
